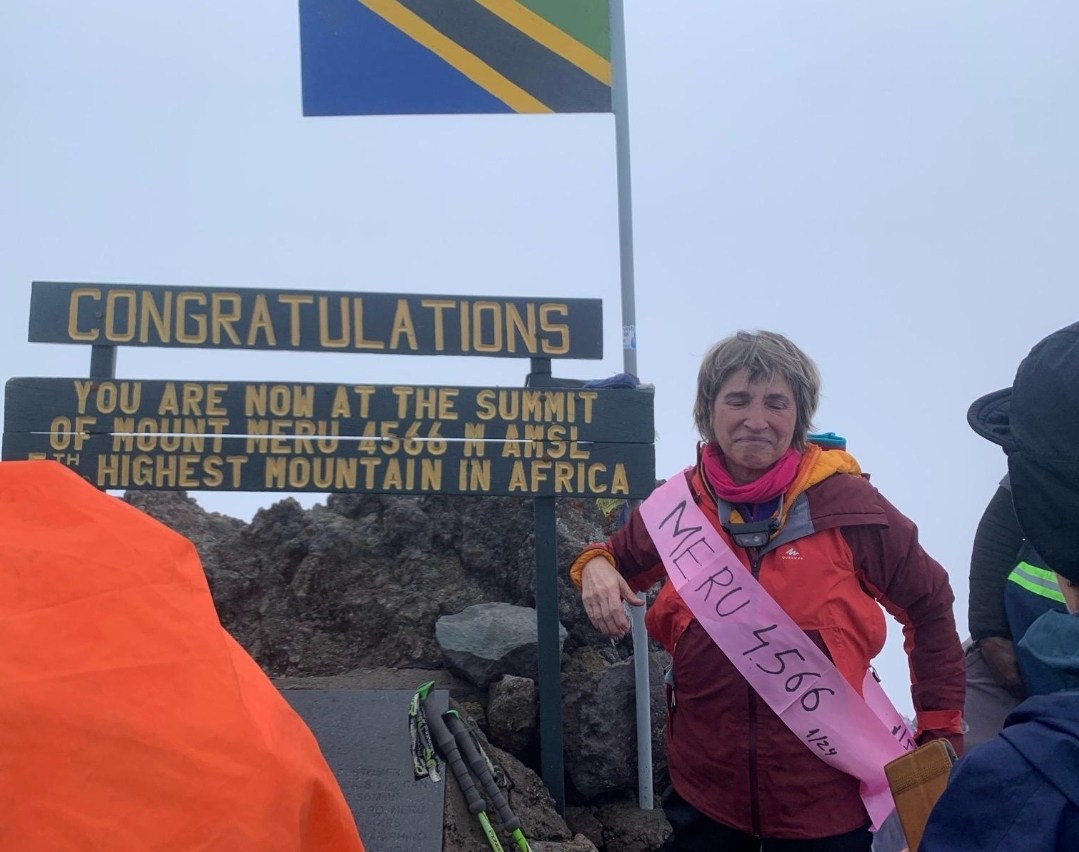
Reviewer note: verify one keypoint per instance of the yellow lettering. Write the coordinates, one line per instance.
(256, 444)
(170, 402)
(438, 305)
(588, 397)
(446, 402)
(299, 473)
(187, 472)
(391, 478)
(340, 408)
(518, 481)
(255, 400)
(111, 309)
(540, 469)
(182, 336)
(508, 404)
(479, 475)
(516, 325)
(260, 321)
(294, 300)
(619, 480)
(595, 486)
(276, 472)
(73, 333)
(369, 466)
(561, 329)
(211, 467)
(402, 325)
(534, 441)
(122, 438)
(511, 446)
(478, 309)
(357, 315)
(531, 405)
(82, 394)
(236, 463)
(402, 394)
(192, 394)
(474, 433)
(563, 476)
(364, 392)
(485, 405)
(430, 474)
(324, 338)
(222, 319)
(554, 406)
(214, 406)
(161, 319)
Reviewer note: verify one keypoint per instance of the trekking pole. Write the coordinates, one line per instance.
(481, 767)
(446, 744)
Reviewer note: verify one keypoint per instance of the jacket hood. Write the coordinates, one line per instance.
(1053, 641)
(1045, 731)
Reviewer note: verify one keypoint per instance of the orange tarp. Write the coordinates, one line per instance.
(130, 720)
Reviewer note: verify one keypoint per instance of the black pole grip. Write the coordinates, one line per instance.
(447, 745)
(479, 766)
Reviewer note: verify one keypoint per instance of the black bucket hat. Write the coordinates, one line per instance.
(1036, 421)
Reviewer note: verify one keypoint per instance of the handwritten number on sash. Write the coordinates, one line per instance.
(764, 642)
(798, 684)
(815, 693)
(820, 741)
(782, 663)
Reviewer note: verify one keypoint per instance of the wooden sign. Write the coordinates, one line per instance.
(315, 321)
(404, 439)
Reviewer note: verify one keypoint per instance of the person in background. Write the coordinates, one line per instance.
(1020, 789)
(1010, 586)
(829, 550)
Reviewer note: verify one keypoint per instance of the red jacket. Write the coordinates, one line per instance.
(840, 550)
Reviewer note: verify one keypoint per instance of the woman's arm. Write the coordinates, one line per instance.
(914, 588)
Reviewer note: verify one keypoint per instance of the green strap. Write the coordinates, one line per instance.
(1040, 581)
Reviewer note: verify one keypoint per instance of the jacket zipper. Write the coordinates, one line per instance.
(754, 803)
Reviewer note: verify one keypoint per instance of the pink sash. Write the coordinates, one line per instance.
(782, 664)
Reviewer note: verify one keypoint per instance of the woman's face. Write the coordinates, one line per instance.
(753, 423)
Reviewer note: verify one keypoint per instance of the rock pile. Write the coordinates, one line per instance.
(371, 589)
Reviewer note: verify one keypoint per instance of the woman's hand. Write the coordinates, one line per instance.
(602, 591)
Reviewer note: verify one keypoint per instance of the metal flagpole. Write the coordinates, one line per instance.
(620, 102)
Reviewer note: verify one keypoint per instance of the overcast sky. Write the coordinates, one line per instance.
(895, 186)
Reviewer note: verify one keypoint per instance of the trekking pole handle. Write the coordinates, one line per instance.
(447, 745)
(465, 743)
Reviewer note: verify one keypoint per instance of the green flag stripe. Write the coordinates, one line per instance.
(585, 20)
(546, 76)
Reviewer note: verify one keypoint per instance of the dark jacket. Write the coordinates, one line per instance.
(1020, 790)
(841, 550)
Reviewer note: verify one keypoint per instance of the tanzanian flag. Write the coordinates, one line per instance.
(388, 57)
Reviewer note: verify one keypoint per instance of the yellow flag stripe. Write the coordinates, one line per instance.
(474, 68)
(551, 37)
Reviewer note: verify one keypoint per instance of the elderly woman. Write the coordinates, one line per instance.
(770, 607)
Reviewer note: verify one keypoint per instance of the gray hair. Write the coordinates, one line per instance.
(763, 355)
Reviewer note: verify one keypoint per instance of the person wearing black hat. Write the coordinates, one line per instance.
(1010, 587)
(1020, 790)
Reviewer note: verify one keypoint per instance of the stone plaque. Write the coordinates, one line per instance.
(363, 734)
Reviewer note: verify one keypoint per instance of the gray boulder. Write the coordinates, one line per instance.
(512, 713)
(627, 828)
(600, 729)
(486, 641)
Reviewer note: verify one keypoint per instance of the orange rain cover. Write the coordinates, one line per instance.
(130, 721)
